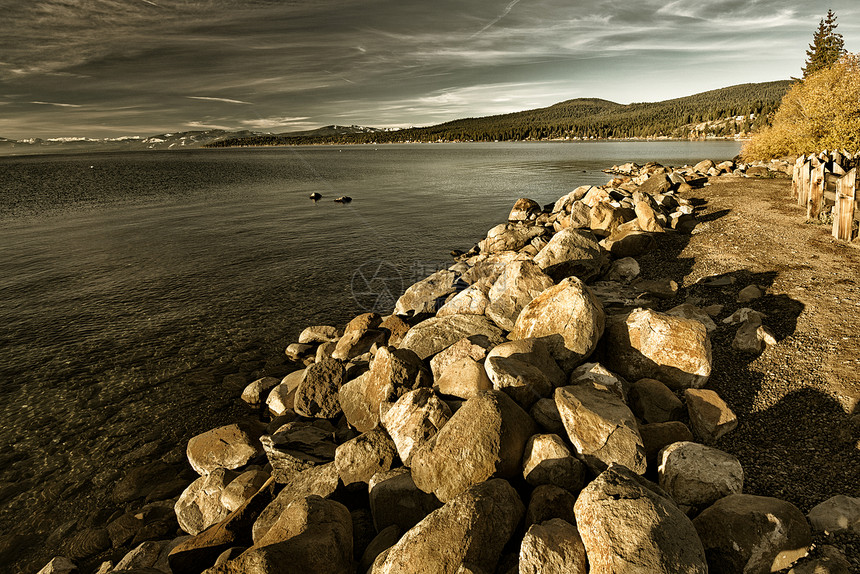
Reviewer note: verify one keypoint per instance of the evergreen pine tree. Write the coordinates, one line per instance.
(826, 48)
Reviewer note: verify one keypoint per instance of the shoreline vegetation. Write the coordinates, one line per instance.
(538, 404)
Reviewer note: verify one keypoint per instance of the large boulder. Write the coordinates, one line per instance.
(463, 379)
(395, 500)
(696, 475)
(321, 481)
(359, 336)
(472, 300)
(629, 243)
(547, 460)
(466, 535)
(485, 438)
(191, 554)
(547, 502)
(654, 402)
(298, 446)
(357, 408)
(242, 488)
(837, 514)
(199, 506)
(648, 344)
(534, 352)
(317, 394)
(429, 294)
(319, 334)
(312, 535)
(524, 209)
(601, 427)
(519, 283)
(230, 447)
(358, 459)
(509, 237)
(553, 547)
(413, 420)
(752, 534)
(474, 347)
(437, 333)
(629, 525)
(393, 373)
(568, 318)
(524, 382)
(572, 252)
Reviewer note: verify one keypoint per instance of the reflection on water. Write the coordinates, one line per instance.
(132, 284)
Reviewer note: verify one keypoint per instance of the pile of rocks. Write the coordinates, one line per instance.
(776, 168)
(526, 410)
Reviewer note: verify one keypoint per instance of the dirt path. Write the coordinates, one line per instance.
(797, 403)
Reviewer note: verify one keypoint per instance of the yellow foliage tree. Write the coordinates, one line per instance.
(821, 112)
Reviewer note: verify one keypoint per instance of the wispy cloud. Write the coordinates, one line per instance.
(497, 19)
(57, 104)
(224, 100)
(277, 122)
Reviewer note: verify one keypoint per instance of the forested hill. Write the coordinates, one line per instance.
(723, 112)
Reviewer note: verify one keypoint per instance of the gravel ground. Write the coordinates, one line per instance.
(798, 436)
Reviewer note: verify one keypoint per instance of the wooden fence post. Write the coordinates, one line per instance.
(843, 211)
(816, 193)
(803, 184)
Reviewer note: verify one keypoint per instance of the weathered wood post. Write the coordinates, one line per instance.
(816, 193)
(803, 186)
(843, 211)
(796, 175)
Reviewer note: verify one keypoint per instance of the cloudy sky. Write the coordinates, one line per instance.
(105, 68)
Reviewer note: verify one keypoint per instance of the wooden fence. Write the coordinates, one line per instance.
(824, 179)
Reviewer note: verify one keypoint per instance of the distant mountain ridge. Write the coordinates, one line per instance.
(724, 112)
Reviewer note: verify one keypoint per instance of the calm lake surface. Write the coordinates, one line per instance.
(132, 284)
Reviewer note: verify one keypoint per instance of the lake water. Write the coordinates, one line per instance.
(132, 284)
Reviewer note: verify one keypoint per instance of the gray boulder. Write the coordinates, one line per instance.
(569, 320)
(466, 535)
(485, 438)
(572, 252)
(697, 476)
(752, 534)
(317, 394)
(553, 547)
(438, 333)
(429, 294)
(629, 525)
(519, 283)
(601, 427)
(230, 446)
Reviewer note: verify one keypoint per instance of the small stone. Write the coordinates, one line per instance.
(297, 351)
(255, 392)
(688, 311)
(749, 293)
(710, 416)
(625, 270)
(744, 315)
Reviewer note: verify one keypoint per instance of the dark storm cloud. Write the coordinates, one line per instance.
(112, 67)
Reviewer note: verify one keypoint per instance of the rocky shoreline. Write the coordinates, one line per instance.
(529, 409)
